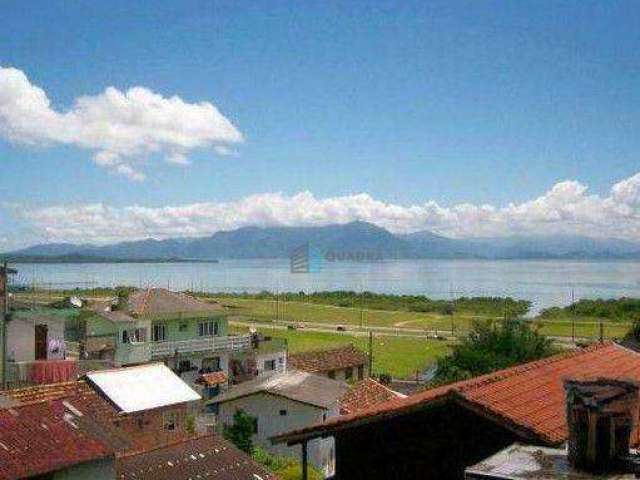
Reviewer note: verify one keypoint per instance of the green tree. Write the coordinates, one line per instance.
(241, 431)
(491, 346)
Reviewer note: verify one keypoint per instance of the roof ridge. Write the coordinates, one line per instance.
(349, 345)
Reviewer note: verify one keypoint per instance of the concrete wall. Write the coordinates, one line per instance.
(266, 408)
(98, 470)
(280, 359)
(21, 338)
(341, 374)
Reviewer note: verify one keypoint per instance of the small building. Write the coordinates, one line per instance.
(440, 432)
(346, 363)
(147, 404)
(36, 348)
(202, 457)
(56, 439)
(283, 402)
(151, 397)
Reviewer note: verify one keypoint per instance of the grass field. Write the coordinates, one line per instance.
(266, 310)
(399, 356)
(317, 313)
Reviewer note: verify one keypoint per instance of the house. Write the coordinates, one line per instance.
(148, 404)
(601, 416)
(440, 432)
(267, 356)
(36, 349)
(56, 439)
(156, 402)
(284, 402)
(188, 335)
(193, 458)
(343, 363)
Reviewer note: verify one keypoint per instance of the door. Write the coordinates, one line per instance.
(41, 341)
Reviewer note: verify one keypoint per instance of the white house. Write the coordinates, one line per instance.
(283, 402)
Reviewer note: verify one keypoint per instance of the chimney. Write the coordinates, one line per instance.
(601, 416)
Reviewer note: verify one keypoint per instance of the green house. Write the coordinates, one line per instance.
(187, 334)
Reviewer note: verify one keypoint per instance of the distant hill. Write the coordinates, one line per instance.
(278, 242)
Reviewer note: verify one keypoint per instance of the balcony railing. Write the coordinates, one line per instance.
(204, 344)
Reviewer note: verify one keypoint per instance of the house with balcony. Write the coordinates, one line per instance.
(189, 335)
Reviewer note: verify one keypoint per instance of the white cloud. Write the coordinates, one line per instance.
(121, 128)
(566, 208)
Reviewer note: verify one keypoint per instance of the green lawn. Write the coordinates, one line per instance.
(265, 310)
(311, 312)
(400, 356)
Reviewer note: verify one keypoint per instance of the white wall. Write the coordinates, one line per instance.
(280, 359)
(266, 408)
(21, 340)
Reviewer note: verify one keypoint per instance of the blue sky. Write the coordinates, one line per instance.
(447, 101)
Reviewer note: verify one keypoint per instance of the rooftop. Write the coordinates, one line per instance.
(366, 394)
(159, 301)
(202, 457)
(528, 398)
(46, 436)
(303, 387)
(526, 462)
(326, 360)
(143, 387)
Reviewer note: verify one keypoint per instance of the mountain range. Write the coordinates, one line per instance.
(341, 239)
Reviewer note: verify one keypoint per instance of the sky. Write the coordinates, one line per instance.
(466, 118)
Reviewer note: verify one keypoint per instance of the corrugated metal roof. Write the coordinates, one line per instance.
(144, 387)
(304, 387)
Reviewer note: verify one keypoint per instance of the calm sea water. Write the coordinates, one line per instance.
(544, 282)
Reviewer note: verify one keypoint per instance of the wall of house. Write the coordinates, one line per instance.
(21, 338)
(435, 444)
(280, 359)
(266, 408)
(186, 328)
(147, 429)
(341, 374)
(97, 470)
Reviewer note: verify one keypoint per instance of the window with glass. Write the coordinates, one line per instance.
(134, 335)
(159, 333)
(269, 365)
(208, 328)
(170, 421)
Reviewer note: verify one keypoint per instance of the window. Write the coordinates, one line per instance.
(170, 421)
(348, 373)
(331, 374)
(159, 333)
(360, 372)
(283, 413)
(269, 365)
(134, 335)
(208, 329)
(211, 364)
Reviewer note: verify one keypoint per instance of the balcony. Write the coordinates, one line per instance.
(204, 344)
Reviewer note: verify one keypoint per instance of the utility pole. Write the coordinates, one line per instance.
(573, 315)
(370, 352)
(4, 293)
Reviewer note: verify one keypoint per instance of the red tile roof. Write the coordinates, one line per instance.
(47, 436)
(213, 378)
(366, 394)
(159, 301)
(201, 457)
(327, 360)
(528, 397)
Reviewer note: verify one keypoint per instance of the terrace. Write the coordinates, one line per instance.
(206, 344)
